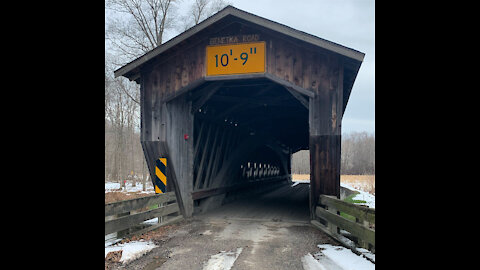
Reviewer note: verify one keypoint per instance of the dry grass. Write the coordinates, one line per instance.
(121, 196)
(362, 182)
(300, 177)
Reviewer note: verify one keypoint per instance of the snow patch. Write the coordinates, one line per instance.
(345, 258)
(310, 263)
(223, 260)
(362, 195)
(115, 186)
(131, 250)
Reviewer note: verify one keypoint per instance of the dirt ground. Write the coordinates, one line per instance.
(120, 196)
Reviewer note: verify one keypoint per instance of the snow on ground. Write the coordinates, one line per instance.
(310, 263)
(296, 182)
(223, 260)
(364, 196)
(337, 257)
(131, 250)
(115, 186)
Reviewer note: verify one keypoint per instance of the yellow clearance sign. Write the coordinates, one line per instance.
(236, 59)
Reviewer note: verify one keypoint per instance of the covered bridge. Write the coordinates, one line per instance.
(228, 101)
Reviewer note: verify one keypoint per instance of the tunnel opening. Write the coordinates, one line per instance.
(244, 135)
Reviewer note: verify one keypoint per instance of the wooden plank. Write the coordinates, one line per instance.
(180, 122)
(344, 241)
(131, 220)
(120, 207)
(356, 229)
(235, 77)
(156, 226)
(210, 159)
(216, 158)
(360, 212)
(303, 100)
(294, 87)
(202, 160)
(204, 193)
(340, 238)
(198, 141)
(210, 91)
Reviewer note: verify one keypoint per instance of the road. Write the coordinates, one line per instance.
(270, 231)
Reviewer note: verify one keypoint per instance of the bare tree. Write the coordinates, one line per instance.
(200, 10)
(301, 162)
(134, 27)
(357, 155)
(121, 120)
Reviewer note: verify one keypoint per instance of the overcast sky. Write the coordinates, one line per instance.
(350, 23)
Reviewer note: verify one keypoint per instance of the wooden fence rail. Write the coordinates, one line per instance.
(360, 232)
(123, 215)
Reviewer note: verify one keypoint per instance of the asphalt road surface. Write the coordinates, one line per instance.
(268, 231)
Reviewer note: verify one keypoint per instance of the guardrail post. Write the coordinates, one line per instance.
(334, 229)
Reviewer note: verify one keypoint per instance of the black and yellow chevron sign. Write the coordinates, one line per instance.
(160, 180)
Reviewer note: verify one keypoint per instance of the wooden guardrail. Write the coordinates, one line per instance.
(203, 193)
(353, 234)
(126, 214)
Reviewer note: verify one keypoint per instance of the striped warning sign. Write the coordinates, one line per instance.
(160, 180)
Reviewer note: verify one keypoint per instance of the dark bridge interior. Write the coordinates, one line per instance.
(244, 131)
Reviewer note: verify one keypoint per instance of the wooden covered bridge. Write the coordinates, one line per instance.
(229, 101)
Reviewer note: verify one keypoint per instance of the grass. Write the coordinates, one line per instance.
(351, 200)
(151, 207)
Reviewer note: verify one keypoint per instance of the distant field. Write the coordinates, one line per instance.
(362, 182)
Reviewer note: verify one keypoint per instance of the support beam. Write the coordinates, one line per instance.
(203, 158)
(207, 93)
(325, 111)
(303, 100)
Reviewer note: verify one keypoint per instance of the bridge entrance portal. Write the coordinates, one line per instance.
(228, 101)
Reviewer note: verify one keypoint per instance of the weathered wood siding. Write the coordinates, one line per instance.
(325, 116)
(287, 59)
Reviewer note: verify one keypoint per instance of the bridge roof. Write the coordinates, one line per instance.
(132, 69)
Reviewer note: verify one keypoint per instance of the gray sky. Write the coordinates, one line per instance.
(350, 23)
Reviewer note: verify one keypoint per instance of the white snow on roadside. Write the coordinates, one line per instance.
(110, 186)
(345, 258)
(151, 221)
(364, 196)
(115, 186)
(301, 180)
(223, 260)
(310, 263)
(337, 257)
(131, 250)
(367, 253)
